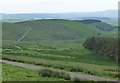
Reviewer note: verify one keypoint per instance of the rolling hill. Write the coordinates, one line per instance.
(52, 29)
(12, 31)
(99, 24)
(113, 34)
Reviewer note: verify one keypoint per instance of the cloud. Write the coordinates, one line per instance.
(53, 6)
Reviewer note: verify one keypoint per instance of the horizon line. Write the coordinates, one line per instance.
(56, 12)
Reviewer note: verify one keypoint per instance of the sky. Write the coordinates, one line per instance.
(56, 6)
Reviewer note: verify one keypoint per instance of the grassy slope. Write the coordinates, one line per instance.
(50, 30)
(99, 24)
(112, 34)
(111, 30)
(12, 73)
(57, 30)
(103, 26)
(12, 31)
(63, 56)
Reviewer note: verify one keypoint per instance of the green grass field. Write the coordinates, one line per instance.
(56, 44)
(13, 73)
(75, 59)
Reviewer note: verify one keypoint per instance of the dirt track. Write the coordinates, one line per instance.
(72, 74)
(25, 34)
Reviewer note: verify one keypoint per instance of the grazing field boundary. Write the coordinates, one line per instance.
(72, 75)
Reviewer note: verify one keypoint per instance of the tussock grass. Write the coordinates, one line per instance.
(70, 66)
(53, 73)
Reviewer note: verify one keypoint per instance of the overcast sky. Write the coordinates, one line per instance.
(56, 6)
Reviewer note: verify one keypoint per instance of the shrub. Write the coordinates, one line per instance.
(103, 46)
(76, 79)
(45, 73)
(76, 69)
(53, 73)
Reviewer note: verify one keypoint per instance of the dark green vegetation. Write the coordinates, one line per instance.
(58, 44)
(103, 26)
(89, 21)
(103, 46)
(99, 24)
(57, 74)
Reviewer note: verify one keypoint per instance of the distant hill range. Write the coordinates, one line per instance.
(106, 16)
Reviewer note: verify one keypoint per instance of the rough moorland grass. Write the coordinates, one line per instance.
(66, 55)
(99, 70)
(53, 73)
(58, 30)
(12, 31)
(72, 54)
(13, 73)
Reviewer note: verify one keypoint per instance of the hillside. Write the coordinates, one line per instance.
(103, 26)
(49, 30)
(12, 31)
(98, 24)
(113, 34)
(54, 44)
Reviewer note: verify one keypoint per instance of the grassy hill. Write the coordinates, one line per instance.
(103, 26)
(99, 24)
(58, 46)
(12, 31)
(49, 30)
(114, 34)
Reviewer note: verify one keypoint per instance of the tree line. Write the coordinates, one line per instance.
(105, 46)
